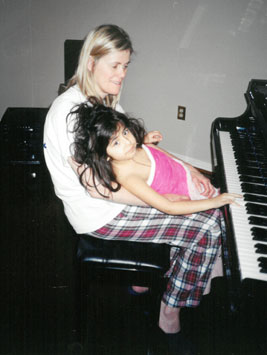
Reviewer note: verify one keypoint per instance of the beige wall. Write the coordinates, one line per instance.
(199, 54)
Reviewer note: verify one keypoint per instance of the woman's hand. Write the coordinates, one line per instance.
(153, 137)
(202, 183)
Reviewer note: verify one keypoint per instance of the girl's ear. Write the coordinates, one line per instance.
(90, 64)
(108, 158)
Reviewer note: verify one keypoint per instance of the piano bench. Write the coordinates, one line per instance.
(118, 262)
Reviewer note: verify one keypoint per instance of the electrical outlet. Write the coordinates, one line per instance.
(181, 112)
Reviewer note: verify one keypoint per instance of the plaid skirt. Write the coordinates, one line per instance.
(194, 241)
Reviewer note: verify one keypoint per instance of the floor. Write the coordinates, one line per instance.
(37, 318)
(37, 308)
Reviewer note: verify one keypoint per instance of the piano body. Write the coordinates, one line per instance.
(239, 157)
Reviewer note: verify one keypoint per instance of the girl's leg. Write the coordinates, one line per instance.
(191, 267)
(169, 319)
(169, 336)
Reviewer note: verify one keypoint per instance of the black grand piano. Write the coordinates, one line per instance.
(239, 157)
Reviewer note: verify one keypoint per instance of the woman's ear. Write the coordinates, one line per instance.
(91, 63)
(108, 158)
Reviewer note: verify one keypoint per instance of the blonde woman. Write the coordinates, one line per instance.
(195, 240)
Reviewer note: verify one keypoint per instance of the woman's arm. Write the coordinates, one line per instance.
(201, 182)
(153, 137)
(121, 196)
(139, 188)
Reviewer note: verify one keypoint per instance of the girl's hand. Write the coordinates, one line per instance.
(153, 137)
(227, 199)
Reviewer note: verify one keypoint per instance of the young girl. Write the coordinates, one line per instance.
(111, 145)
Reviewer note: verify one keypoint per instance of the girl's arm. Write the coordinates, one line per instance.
(175, 198)
(139, 188)
(202, 183)
(121, 196)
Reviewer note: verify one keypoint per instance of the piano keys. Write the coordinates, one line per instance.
(239, 157)
(242, 216)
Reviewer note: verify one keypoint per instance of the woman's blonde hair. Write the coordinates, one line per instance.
(102, 40)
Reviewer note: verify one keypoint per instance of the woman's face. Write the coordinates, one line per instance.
(109, 72)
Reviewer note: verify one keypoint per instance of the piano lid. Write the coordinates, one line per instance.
(257, 96)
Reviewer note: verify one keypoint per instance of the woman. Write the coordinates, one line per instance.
(102, 67)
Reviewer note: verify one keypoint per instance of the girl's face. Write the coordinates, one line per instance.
(109, 72)
(122, 145)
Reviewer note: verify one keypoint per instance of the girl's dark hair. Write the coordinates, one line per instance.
(94, 125)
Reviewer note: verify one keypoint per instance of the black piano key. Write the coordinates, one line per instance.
(239, 155)
(244, 165)
(259, 234)
(255, 198)
(253, 160)
(262, 260)
(254, 139)
(263, 264)
(249, 148)
(252, 179)
(263, 269)
(252, 171)
(249, 163)
(248, 171)
(258, 221)
(241, 147)
(253, 208)
(261, 248)
(256, 189)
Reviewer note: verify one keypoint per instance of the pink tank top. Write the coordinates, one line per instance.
(167, 176)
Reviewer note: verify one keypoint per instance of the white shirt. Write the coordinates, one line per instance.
(85, 213)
